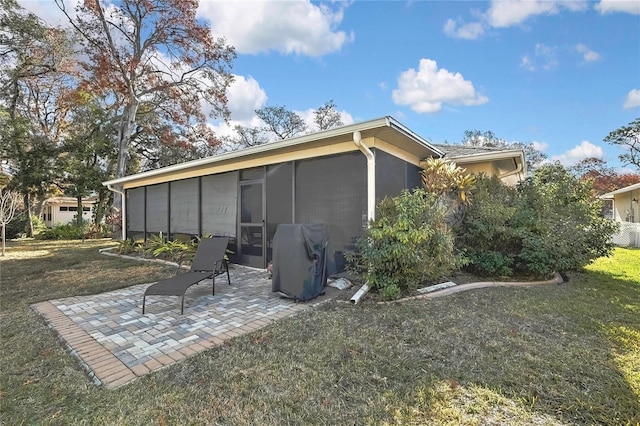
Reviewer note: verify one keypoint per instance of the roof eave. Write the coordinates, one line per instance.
(271, 146)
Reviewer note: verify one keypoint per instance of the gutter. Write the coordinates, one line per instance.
(371, 196)
(123, 207)
(517, 170)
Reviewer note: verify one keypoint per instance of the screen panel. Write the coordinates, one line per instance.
(390, 175)
(185, 207)
(333, 190)
(220, 204)
(279, 199)
(135, 212)
(157, 219)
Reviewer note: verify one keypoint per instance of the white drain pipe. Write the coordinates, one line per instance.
(371, 196)
(371, 175)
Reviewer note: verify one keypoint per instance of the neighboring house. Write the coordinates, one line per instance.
(63, 210)
(508, 165)
(623, 207)
(336, 176)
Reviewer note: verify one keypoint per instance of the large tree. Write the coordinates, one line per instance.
(533, 156)
(327, 116)
(154, 57)
(36, 78)
(282, 122)
(627, 137)
(604, 178)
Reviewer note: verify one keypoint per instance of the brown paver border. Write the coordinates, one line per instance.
(103, 367)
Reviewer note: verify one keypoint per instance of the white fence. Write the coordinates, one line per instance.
(628, 236)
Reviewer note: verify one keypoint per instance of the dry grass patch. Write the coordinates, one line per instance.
(560, 354)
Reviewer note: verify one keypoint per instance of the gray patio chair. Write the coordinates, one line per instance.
(208, 262)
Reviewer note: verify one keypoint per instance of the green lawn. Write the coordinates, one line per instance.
(559, 354)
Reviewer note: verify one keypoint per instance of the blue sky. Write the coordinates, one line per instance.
(560, 74)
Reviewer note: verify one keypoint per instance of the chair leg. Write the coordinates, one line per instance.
(182, 306)
(144, 298)
(226, 266)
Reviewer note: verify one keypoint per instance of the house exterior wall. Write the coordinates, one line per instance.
(55, 213)
(329, 189)
(624, 209)
(502, 167)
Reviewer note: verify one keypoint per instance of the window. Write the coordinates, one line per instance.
(73, 209)
(64, 208)
(86, 209)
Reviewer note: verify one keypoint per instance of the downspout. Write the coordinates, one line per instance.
(371, 175)
(123, 209)
(518, 169)
(371, 196)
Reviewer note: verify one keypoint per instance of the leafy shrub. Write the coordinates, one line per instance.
(129, 246)
(549, 222)
(450, 184)
(570, 233)
(94, 231)
(63, 232)
(408, 244)
(487, 235)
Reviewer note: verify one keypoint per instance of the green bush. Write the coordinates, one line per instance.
(550, 222)
(129, 246)
(408, 244)
(63, 232)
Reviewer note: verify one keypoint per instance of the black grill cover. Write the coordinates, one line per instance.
(299, 260)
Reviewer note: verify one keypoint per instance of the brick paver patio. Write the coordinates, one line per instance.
(116, 344)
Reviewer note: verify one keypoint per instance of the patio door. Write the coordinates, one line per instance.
(251, 241)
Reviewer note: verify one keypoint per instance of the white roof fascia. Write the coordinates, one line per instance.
(366, 125)
(622, 190)
(391, 122)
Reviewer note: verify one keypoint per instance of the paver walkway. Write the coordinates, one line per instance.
(117, 344)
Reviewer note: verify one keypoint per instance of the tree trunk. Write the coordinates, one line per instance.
(27, 202)
(79, 220)
(4, 230)
(124, 140)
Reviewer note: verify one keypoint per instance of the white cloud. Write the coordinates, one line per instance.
(507, 13)
(625, 6)
(585, 150)
(49, 12)
(544, 58)
(525, 62)
(299, 27)
(633, 99)
(245, 96)
(540, 146)
(457, 29)
(426, 89)
(587, 54)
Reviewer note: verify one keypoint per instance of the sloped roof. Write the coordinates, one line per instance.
(70, 200)
(386, 128)
(456, 151)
